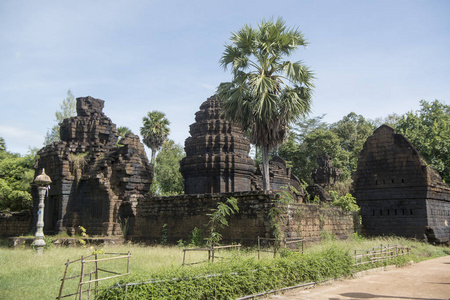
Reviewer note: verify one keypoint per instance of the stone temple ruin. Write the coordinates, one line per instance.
(217, 159)
(398, 192)
(217, 166)
(96, 182)
(103, 185)
(324, 176)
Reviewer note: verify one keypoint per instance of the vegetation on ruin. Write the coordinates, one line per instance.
(267, 93)
(122, 131)
(25, 275)
(218, 219)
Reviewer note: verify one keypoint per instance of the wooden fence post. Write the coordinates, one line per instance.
(81, 278)
(62, 280)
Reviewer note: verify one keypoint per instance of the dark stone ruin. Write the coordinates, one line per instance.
(96, 183)
(217, 166)
(104, 187)
(324, 176)
(280, 178)
(217, 158)
(399, 193)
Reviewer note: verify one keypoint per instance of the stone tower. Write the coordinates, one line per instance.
(399, 193)
(96, 183)
(217, 158)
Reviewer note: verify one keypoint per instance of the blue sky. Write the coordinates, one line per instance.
(370, 57)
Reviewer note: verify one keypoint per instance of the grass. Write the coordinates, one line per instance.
(25, 275)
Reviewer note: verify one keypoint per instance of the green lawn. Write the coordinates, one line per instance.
(26, 275)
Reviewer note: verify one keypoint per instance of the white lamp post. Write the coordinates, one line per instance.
(42, 181)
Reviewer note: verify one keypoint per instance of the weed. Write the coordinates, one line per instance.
(82, 235)
(218, 219)
(196, 237)
(164, 234)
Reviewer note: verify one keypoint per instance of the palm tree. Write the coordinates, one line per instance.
(266, 93)
(154, 131)
(122, 131)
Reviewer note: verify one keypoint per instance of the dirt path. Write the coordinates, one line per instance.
(427, 280)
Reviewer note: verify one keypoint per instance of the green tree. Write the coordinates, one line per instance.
(428, 129)
(2, 144)
(122, 131)
(303, 157)
(167, 169)
(68, 109)
(267, 93)
(16, 175)
(353, 131)
(305, 126)
(154, 131)
(391, 120)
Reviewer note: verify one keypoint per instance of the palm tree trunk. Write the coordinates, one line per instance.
(265, 159)
(152, 161)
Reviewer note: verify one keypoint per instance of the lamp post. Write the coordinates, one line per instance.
(42, 181)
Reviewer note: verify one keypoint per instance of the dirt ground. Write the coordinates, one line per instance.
(427, 280)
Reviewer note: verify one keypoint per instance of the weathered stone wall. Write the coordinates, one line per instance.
(183, 213)
(16, 223)
(398, 192)
(310, 220)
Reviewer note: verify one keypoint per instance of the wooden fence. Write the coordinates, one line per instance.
(278, 244)
(211, 253)
(91, 274)
(378, 254)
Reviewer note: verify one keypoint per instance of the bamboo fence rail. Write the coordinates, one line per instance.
(90, 274)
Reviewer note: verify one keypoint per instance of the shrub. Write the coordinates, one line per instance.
(235, 279)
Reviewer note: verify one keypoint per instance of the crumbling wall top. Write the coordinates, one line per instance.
(87, 106)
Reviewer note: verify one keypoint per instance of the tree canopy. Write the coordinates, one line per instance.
(68, 109)
(16, 176)
(168, 179)
(122, 131)
(428, 129)
(267, 93)
(154, 131)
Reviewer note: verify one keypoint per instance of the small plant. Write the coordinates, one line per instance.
(346, 202)
(83, 235)
(98, 251)
(327, 236)
(181, 243)
(48, 242)
(196, 237)
(304, 185)
(218, 219)
(164, 234)
(78, 161)
(357, 237)
(123, 226)
(276, 213)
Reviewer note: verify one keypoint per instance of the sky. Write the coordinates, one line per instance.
(373, 58)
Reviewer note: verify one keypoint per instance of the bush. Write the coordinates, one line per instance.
(235, 279)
